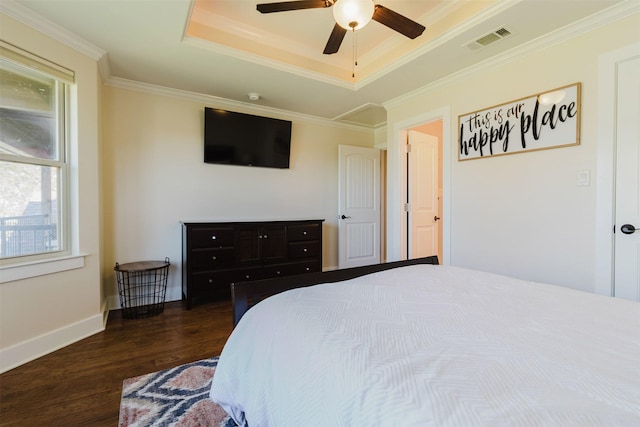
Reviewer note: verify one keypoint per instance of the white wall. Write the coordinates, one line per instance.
(41, 314)
(524, 214)
(155, 177)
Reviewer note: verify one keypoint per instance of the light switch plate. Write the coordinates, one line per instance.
(584, 178)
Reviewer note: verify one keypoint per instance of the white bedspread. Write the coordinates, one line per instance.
(433, 346)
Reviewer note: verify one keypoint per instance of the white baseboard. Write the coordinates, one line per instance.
(26, 351)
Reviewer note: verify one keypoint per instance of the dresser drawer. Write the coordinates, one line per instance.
(247, 274)
(304, 249)
(303, 232)
(291, 268)
(224, 278)
(306, 267)
(211, 284)
(209, 280)
(212, 237)
(209, 259)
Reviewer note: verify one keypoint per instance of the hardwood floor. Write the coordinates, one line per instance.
(80, 385)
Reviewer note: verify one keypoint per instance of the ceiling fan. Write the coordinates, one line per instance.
(350, 15)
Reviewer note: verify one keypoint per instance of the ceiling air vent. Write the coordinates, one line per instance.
(503, 32)
(487, 39)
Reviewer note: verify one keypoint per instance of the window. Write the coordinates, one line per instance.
(33, 156)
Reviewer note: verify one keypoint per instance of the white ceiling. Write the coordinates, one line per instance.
(228, 49)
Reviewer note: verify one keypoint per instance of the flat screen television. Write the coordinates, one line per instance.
(243, 139)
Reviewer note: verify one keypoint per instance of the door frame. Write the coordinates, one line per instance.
(396, 242)
(605, 183)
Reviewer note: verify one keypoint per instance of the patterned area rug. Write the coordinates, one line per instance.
(174, 397)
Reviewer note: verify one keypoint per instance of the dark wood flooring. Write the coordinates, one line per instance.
(80, 385)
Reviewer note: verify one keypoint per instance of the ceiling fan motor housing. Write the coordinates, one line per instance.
(353, 14)
(349, 15)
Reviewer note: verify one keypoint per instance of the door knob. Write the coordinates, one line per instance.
(628, 229)
(436, 218)
(344, 217)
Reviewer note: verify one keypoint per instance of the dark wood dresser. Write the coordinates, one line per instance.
(216, 254)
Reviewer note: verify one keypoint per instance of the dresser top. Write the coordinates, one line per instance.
(258, 221)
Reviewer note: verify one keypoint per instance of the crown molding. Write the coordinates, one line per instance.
(496, 8)
(229, 104)
(26, 16)
(48, 28)
(586, 25)
(56, 32)
(267, 62)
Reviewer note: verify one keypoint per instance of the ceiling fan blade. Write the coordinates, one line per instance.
(397, 22)
(285, 6)
(335, 40)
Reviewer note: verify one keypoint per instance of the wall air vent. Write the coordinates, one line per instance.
(489, 38)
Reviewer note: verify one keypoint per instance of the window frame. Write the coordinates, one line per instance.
(23, 266)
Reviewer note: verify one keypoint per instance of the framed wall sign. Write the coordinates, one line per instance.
(545, 120)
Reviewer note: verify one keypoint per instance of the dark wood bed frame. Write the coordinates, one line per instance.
(245, 295)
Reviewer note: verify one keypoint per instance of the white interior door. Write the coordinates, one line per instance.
(359, 206)
(627, 216)
(423, 195)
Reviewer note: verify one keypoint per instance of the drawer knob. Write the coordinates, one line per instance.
(307, 269)
(247, 276)
(213, 257)
(213, 237)
(278, 273)
(210, 280)
(304, 232)
(304, 250)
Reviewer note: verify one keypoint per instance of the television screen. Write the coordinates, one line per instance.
(242, 139)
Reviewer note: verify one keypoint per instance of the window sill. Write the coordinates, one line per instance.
(27, 270)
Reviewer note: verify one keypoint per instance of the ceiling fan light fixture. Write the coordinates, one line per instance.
(353, 14)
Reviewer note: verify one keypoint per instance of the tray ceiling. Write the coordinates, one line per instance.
(227, 49)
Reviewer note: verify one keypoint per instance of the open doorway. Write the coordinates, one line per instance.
(424, 190)
(404, 167)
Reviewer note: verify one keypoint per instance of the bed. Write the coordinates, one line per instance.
(429, 345)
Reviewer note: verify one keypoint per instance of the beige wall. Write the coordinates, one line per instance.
(155, 177)
(523, 214)
(40, 314)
